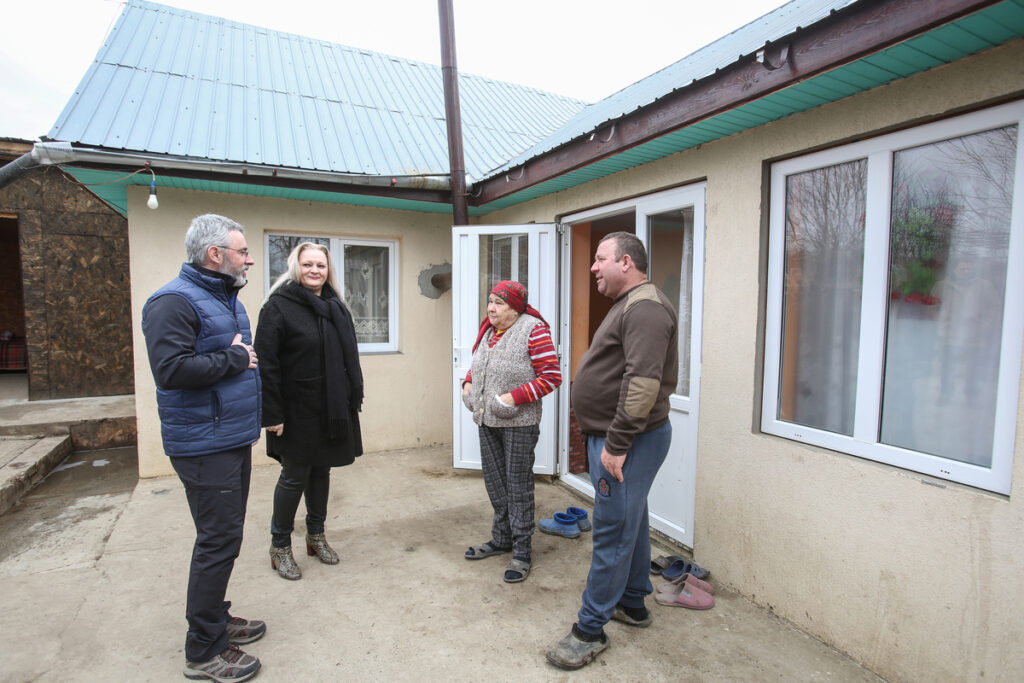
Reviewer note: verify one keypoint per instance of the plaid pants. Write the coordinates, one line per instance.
(506, 456)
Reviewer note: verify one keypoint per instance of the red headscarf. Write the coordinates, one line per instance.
(514, 294)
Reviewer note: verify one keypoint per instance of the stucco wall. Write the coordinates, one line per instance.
(917, 581)
(407, 393)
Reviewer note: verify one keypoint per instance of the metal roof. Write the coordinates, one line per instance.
(974, 33)
(171, 82)
(700, 64)
(487, 137)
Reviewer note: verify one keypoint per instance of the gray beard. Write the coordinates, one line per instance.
(240, 280)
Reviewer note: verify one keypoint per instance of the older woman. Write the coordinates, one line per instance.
(514, 366)
(312, 392)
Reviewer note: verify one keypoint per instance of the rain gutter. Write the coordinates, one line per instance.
(53, 153)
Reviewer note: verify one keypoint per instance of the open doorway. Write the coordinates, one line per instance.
(13, 350)
(589, 307)
(671, 226)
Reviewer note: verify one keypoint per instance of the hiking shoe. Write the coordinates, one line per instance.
(230, 665)
(620, 614)
(572, 652)
(242, 631)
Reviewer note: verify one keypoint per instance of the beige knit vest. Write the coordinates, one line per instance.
(501, 369)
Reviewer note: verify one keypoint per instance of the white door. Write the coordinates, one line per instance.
(481, 257)
(671, 226)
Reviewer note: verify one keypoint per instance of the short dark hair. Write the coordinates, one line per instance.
(626, 243)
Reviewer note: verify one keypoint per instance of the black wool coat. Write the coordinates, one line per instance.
(291, 366)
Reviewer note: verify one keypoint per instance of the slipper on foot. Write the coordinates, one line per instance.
(620, 614)
(479, 552)
(516, 571)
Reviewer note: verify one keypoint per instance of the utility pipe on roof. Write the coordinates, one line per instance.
(453, 115)
(47, 153)
(17, 168)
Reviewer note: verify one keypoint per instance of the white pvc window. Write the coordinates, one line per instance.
(368, 276)
(895, 319)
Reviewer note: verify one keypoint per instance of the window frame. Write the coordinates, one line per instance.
(864, 442)
(337, 248)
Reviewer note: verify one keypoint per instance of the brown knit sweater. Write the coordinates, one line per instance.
(624, 380)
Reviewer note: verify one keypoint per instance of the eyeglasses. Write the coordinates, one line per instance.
(244, 253)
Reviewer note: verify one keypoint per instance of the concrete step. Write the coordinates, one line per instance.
(24, 461)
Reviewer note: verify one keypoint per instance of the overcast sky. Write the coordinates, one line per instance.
(586, 49)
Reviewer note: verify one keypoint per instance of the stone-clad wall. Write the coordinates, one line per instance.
(74, 263)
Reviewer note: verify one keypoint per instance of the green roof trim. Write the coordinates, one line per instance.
(962, 38)
(115, 194)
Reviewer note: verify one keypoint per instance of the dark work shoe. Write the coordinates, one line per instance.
(634, 619)
(242, 631)
(230, 665)
(572, 652)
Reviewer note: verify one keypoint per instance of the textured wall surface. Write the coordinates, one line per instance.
(408, 393)
(74, 266)
(919, 580)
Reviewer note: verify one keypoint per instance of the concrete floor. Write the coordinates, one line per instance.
(13, 386)
(93, 566)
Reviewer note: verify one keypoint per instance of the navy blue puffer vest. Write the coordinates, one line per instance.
(224, 415)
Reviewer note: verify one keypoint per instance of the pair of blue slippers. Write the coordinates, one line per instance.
(568, 524)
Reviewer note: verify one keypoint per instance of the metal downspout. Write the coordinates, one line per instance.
(453, 115)
(17, 168)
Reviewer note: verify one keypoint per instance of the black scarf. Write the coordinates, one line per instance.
(339, 353)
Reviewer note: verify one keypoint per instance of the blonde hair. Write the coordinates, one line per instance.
(293, 273)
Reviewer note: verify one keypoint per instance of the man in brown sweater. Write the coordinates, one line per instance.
(621, 399)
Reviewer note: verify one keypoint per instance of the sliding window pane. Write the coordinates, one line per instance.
(950, 230)
(822, 296)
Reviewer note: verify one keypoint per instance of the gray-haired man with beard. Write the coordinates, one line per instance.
(208, 394)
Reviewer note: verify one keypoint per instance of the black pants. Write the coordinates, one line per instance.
(295, 480)
(217, 489)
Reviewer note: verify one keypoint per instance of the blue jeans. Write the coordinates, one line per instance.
(217, 489)
(621, 562)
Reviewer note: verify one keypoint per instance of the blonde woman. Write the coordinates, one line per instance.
(312, 393)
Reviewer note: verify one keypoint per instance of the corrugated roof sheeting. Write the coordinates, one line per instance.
(173, 82)
(278, 99)
(942, 45)
(700, 64)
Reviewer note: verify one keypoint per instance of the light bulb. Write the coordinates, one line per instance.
(152, 201)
